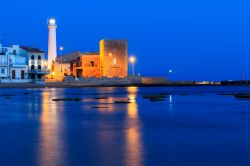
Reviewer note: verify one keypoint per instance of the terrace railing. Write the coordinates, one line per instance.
(39, 71)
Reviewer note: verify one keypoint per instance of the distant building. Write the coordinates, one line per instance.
(112, 61)
(16, 64)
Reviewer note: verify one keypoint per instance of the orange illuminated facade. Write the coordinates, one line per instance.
(60, 70)
(87, 66)
(114, 58)
(112, 61)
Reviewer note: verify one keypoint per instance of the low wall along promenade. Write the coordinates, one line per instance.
(88, 82)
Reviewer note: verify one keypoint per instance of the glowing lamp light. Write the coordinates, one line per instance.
(61, 48)
(170, 71)
(52, 21)
(132, 59)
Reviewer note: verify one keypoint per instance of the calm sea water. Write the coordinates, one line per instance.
(192, 126)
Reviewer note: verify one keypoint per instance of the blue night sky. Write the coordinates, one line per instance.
(197, 39)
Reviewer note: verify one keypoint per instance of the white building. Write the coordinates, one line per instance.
(37, 64)
(13, 67)
(17, 64)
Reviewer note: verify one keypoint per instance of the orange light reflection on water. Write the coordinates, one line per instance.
(50, 144)
(134, 145)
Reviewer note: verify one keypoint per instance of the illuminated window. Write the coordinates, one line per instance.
(114, 62)
(92, 63)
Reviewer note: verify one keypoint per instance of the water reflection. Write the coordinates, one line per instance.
(51, 146)
(171, 107)
(100, 100)
(133, 141)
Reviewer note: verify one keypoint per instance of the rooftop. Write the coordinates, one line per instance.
(31, 49)
(67, 58)
(90, 53)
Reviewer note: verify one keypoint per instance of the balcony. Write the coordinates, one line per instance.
(39, 71)
(39, 62)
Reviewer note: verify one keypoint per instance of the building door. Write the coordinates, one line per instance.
(92, 63)
(32, 76)
(22, 74)
(79, 72)
(13, 74)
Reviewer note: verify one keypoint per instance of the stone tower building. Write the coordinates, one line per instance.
(114, 58)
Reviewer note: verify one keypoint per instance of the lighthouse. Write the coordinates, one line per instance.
(52, 48)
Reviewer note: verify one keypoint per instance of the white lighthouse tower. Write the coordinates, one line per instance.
(52, 50)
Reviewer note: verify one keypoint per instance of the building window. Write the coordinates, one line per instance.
(32, 67)
(32, 57)
(114, 62)
(39, 67)
(22, 74)
(13, 74)
(92, 63)
(14, 52)
(2, 70)
(39, 57)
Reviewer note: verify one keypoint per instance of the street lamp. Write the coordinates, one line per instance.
(132, 61)
(61, 50)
